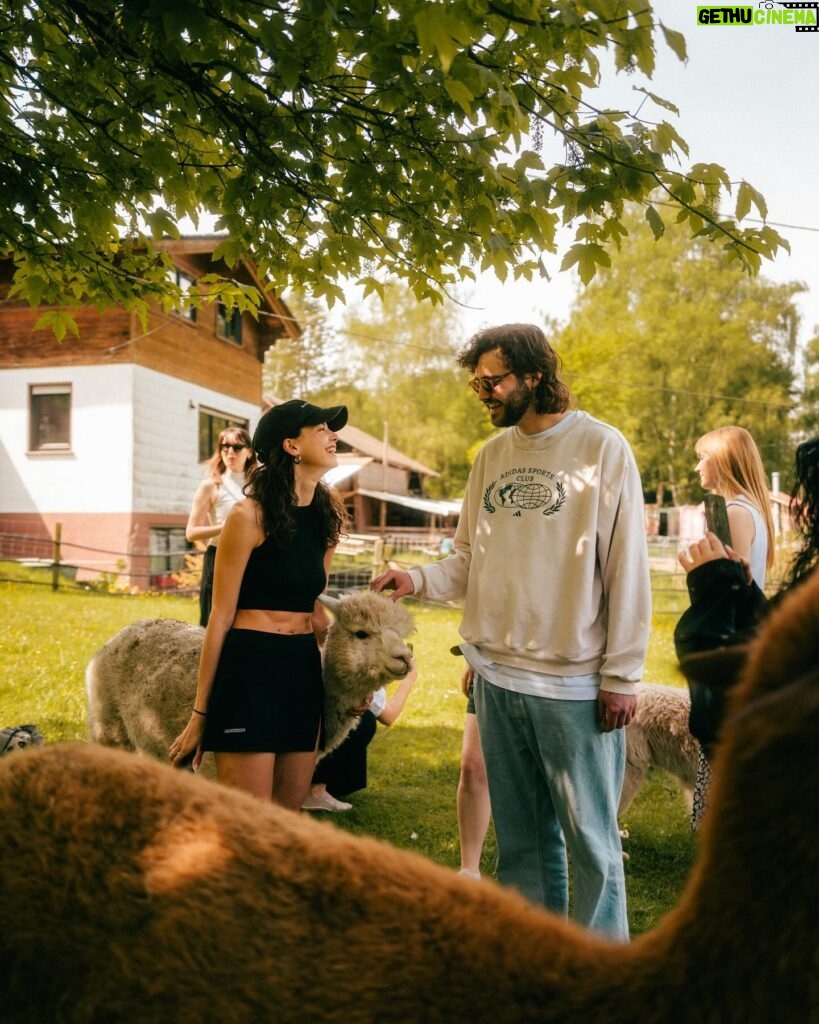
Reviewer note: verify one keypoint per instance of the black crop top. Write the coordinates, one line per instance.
(290, 578)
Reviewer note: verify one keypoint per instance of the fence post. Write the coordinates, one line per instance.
(55, 563)
(378, 556)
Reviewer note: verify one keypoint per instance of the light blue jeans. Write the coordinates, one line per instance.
(555, 781)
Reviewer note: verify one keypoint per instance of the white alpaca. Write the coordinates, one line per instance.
(365, 648)
(141, 684)
(658, 737)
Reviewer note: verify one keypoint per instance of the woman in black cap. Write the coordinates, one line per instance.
(259, 696)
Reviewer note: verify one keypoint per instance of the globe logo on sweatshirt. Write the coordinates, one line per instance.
(524, 493)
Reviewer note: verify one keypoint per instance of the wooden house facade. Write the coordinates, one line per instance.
(105, 433)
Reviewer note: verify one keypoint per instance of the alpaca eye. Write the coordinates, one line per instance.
(360, 634)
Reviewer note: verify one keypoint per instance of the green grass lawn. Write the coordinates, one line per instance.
(48, 638)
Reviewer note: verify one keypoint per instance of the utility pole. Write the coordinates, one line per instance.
(384, 457)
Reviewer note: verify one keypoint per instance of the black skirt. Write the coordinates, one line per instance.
(267, 695)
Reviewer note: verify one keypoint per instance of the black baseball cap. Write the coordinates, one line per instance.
(287, 419)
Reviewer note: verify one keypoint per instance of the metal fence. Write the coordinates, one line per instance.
(359, 558)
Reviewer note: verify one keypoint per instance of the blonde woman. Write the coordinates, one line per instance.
(730, 465)
(228, 470)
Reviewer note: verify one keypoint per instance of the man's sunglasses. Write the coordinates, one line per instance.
(487, 383)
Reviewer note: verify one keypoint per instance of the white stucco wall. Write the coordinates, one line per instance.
(95, 475)
(134, 441)
(166, 438)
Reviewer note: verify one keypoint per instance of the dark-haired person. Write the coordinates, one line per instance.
(551, 562)
(259, 697)
(227, 474)
(344, 770)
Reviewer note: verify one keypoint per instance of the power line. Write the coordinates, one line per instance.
(584, 377)
(682, 391)
(776, 224)
(753, 220)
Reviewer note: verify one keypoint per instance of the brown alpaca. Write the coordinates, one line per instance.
(132, 892)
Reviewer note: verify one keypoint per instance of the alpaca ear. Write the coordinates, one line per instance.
(333, 603)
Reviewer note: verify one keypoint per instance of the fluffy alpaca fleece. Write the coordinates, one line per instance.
(141, 684)
(658, 737)
(138, 893)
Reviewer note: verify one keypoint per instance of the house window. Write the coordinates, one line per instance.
(211, 425)
(49, 417)
(167, 547)
(229, 323)
(185, 282)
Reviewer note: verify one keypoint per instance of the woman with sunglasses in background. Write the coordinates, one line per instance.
(228, 472)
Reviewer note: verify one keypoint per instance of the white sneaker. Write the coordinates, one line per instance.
(325, 802)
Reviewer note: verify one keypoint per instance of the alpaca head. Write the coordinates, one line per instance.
(368, 637)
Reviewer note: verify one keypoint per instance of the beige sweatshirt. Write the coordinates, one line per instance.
(550, 554)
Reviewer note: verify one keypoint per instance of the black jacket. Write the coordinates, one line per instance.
(725, 612)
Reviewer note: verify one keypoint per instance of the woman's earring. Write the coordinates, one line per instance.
(297, 459)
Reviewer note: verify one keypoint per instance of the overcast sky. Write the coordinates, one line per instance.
(747, 101)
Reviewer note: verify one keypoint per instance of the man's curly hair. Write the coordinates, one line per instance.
(524, 349)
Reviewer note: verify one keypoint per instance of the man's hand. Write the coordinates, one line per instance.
(396, 580)
(616, 710)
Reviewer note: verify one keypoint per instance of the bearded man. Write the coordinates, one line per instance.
(551, 562)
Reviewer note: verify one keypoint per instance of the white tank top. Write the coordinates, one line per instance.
(228, 493)
(759, 545)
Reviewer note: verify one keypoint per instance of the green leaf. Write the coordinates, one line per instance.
(459, 93)
(655, 222)
(746, 195)
(59, 321)
(439, 31)
(676, 42)
(667, 139)
(665, 104)
(587, 258)
(711, 174)
(528, 160)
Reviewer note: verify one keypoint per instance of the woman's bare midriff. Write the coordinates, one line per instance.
(273, 622)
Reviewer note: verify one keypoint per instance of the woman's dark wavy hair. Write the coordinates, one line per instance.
(273, 485)
(804, 509)
(524, 349)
